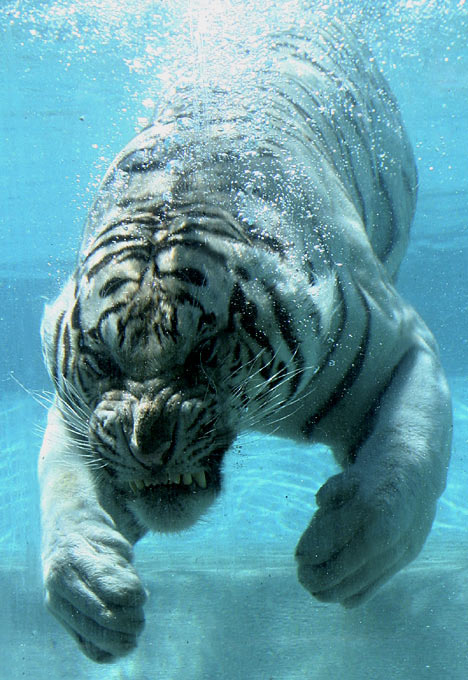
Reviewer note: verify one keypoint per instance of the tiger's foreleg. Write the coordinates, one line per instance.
(373, 517)
(91, 585)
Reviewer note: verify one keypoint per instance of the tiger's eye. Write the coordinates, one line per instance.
(202, 357)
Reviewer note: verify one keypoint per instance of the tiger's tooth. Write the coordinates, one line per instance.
(200, 479)
(139, 483)
(175, 479)
(133, 486)
(187, 478)
(147, 482)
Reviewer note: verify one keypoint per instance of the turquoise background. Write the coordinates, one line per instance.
(77, 82)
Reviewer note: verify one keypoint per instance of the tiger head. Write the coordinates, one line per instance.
(157, 347)
(166, 416)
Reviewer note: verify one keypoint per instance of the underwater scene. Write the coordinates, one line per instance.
(80, 79)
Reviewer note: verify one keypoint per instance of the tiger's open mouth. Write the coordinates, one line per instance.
(176, 502)
(187, 479)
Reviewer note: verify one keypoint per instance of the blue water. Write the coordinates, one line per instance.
(78, 79)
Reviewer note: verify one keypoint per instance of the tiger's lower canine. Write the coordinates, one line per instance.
(237, 272)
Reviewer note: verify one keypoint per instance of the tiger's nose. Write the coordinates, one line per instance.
(161, 426)
(153, 437)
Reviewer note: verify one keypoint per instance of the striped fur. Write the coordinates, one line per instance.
(241, 280)
(172, 259)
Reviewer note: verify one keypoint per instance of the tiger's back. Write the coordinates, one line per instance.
(320, 109)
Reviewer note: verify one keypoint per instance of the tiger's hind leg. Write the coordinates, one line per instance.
(373, 517)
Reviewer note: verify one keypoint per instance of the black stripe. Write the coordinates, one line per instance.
(157, 331)
(111, 310)
(283, 319)
(99, 363)
(280, 373)
(141, 161)
(75, 315)
(199, 228)
(372, 412)
(266, 371)
(286, 326)
(92, 366)
(111, 286)
(168, 332)
(174, 321)
(187, 275)
(66, 347)
(110, 227)
(206, 213)
(199, 211)
(80, 383)
(247, 311)
(237, 352)
(152, 215)
(392, 236)
(243, 273)
(265, 239)
(93, 335)
(56, 345)
(113, 240)
(193, 244)
(136, 253)
(346, 163)
(121, 330)
(184, 297)
(348, 379)
(312, 277)
(110, 450)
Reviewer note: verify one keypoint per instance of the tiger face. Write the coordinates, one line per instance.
(154, 365)
(162, 442)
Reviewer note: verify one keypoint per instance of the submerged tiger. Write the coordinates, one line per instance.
(237, 272)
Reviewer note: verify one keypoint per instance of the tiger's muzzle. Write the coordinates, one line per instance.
(157, 433)
(162, 427)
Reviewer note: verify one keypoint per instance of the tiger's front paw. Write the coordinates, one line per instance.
(363, 532)
(94, 591)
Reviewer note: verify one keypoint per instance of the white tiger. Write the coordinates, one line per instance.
(235, 279)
